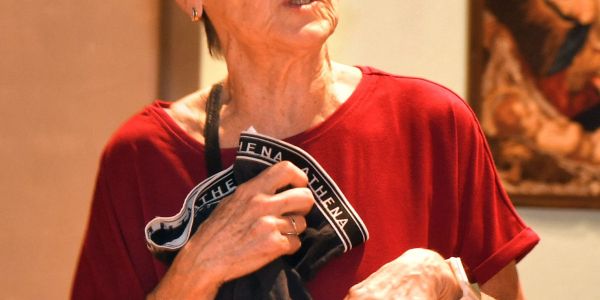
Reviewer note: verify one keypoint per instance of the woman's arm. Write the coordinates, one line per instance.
(504, 285)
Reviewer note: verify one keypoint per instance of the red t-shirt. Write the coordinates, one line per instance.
(407, 153)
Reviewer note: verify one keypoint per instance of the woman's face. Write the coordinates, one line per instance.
(273, 24)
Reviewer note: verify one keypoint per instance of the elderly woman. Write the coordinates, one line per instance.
(407, 153)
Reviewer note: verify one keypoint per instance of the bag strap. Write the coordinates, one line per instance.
(211, 130)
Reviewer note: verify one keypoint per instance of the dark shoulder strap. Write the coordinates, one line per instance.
(211, 130)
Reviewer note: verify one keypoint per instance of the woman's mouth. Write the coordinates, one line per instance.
(300, 2)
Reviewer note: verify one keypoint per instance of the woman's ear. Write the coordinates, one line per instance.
(193, 8)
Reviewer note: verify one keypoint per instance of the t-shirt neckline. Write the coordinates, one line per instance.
(362, 89)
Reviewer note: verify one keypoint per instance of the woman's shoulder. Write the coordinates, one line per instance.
(410, 85)
(417, 94)
(144, 127)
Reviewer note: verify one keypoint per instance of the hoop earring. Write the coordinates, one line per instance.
(195, 15)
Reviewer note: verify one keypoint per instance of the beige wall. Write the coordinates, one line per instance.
(428, 38)
(565, 265)
(70, 72)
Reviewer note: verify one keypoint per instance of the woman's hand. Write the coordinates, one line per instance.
(246, 231)
(416, 274)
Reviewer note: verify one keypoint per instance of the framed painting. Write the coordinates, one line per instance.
(534, 81)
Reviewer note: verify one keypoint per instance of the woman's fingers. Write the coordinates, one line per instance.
(293, 201)
(278, 176)
(292, 225)
(293, 244)
(261, 191)
(285, 237)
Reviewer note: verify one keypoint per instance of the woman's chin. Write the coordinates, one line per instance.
(311, 21)
(312, 43)
(312, 35)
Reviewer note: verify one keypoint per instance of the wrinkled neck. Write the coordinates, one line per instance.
(278, 94)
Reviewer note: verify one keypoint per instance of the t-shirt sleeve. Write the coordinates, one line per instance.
(491, 232)
(104, 270)
(114, 262)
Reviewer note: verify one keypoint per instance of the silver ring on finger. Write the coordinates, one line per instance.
(293, 222)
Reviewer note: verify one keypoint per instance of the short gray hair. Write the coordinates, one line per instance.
(214, 45)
